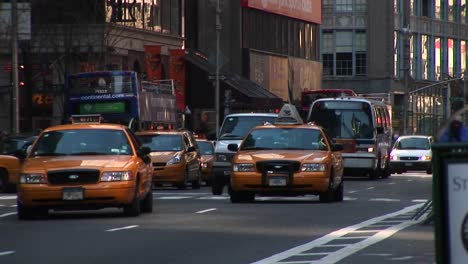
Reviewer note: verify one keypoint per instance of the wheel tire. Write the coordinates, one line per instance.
(429, 171)
(217, 187)
(3, 181)
(183, 185)
(29, 213)
(133, 209)
(339, 195)
(327, 197)
(197, 183)
(147, 203)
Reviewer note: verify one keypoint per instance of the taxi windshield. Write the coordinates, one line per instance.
(285, 138)
(82, 142)
(236, 127)
(206, 148)
(161, 142)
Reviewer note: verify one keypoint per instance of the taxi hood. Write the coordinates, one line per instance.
(163, 156)
(298, 155)
(76, 162)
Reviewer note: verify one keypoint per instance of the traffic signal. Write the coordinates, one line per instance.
(21, 75)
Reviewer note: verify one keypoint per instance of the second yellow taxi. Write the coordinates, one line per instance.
(287, 158)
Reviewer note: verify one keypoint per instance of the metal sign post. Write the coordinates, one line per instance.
(450, 192)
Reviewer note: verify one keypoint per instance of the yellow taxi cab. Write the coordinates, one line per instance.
(85, 165)
(287, 157)
(207, 159)
(175, 156)
(9, 172)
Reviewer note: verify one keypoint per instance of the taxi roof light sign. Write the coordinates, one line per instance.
(86, 119)
(288, 115)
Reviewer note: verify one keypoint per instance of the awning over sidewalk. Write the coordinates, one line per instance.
(241, 84)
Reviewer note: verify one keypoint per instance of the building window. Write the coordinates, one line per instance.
(425, 63)
(361, 5)
(361, 53)
(344, 5)
(463, 11)
(438, 9)
(344, 53)
(451, 10)
(327, 51)
(327, 6)
(425, 8)
(438, 58)
(451, 61)
(463, 56)
(396, 52)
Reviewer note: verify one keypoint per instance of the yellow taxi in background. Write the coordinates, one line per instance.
(9, 172)
(207, 159)
(85, 165)
(175, 156)
(287, 158)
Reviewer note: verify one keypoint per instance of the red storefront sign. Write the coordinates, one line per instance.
(177, 73)
(307, 10)
(153, 62)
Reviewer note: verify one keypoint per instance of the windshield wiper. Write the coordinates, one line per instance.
(92, 153)
(50, 154)
(228, 135)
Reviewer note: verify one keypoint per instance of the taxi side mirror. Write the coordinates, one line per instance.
(144, 151)
(20, 154)
(233, 147)
(337, 147)
(28, 150)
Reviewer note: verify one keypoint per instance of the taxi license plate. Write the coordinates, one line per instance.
(277, 181)
(72, 194)
(408, 164)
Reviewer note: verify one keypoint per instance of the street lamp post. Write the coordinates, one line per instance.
(218, 32)
(14, 67)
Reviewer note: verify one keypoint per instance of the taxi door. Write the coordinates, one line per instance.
(144, 167)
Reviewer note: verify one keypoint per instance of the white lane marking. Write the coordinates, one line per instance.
(410, 180)
(352, 192)
(14, 205)
(391, 183)
(352, 248)
(182, 193)
(419, 201)
(365, 231)
(335, 245)
(402, 258)
(205, 211)
(384, 200)
(378, 254)
(7, 214)
(8, 197)
(173, 197)
(122, 228)
(352, 237)
(7, 253)
(370, 188)
(214, 198)
(349, 199)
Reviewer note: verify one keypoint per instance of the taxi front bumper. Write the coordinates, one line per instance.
(300, 183)
(94, 196)
(169, 174)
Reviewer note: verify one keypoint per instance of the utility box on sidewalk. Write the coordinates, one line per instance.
(450, 197)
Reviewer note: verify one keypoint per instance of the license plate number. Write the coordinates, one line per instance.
(277, 181)
(408, 164)
(72, 194)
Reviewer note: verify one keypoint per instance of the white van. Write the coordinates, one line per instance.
(233, 130)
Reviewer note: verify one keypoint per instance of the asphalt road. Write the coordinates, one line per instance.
(372, 225)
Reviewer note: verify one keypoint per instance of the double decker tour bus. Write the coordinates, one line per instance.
(121, 97)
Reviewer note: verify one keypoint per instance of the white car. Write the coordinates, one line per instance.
(411, 153)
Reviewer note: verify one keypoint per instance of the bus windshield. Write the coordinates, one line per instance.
(100, 84)
(343, 119)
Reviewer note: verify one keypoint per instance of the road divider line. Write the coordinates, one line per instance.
(370, 188)
(205, 211)
(122, 228)
(9, 197)
(6, 253)
(7, 214)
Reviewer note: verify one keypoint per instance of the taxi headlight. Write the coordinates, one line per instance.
(174, 160)
(425, 157)
(110, 176)
(32, 178)
(243, 167)
(393, 157)
(312, 167)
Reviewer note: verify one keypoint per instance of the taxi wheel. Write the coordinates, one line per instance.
(339, 192)
(3, 181)
(28, 213)
(147, 203)
(182, 185)
(134, 208)
(216, 187)
(197, 182)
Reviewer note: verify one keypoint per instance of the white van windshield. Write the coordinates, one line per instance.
(344, 119)
(236, 127)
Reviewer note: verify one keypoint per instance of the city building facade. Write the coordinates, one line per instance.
(408, 52)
